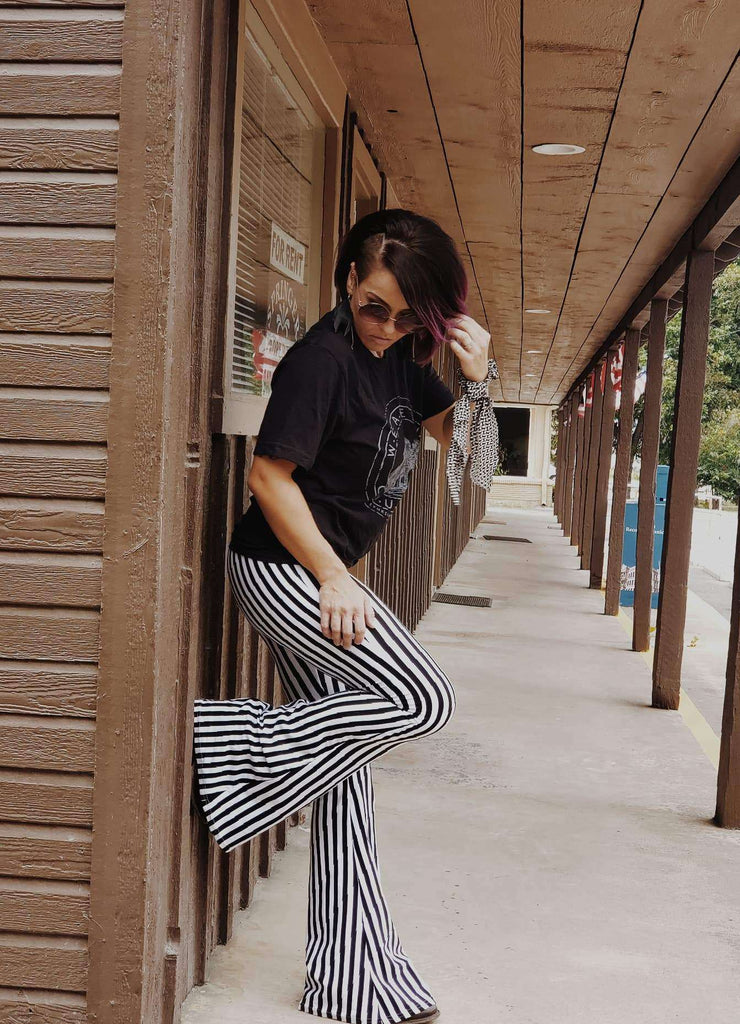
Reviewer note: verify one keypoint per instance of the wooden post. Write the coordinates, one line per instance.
(565, 411)
(728, 779)
(559, 468)
(692, 365)
(648, 470)
(589, 510)
(561, 478)
(606, 441)
(584, 457)
(575, 537)
(570, 467)
(621, 471)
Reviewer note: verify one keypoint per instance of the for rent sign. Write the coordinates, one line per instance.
(287, 254)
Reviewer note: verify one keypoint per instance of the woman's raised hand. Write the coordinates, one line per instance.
(346, 610)
(469, 341)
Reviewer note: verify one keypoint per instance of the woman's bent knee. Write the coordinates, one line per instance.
(433, 705)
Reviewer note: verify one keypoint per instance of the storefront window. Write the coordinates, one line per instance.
(278, 215)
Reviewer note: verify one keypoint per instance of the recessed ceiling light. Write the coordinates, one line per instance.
(530, 374)
(531, 350)
(558, 149)
(536, 310)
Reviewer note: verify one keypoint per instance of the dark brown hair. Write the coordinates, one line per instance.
(423, 259)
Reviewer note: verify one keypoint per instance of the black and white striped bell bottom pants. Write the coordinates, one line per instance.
(257, 764)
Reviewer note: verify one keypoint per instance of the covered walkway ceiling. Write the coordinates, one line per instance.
(452, 96)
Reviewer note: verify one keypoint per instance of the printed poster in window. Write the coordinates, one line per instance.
(280, 314)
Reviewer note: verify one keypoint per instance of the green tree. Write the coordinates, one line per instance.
(719, 455)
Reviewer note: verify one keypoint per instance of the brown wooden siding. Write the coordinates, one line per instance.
(58, 157)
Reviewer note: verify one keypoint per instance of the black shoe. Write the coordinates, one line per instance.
(196, 801)
(422, 1017)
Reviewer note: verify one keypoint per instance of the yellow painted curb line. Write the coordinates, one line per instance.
(700, 728)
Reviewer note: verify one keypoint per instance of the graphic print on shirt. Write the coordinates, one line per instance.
(398, 450)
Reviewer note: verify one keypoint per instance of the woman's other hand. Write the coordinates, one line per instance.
(346, 610)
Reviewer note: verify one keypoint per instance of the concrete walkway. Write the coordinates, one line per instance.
(549, 855)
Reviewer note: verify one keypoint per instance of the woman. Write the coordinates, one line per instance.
(339, 437)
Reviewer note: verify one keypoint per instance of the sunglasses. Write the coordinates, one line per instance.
(374, 313)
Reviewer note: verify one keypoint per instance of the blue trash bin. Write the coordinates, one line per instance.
(629, 543)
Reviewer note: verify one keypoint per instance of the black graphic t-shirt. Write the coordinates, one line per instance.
(352, 424)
